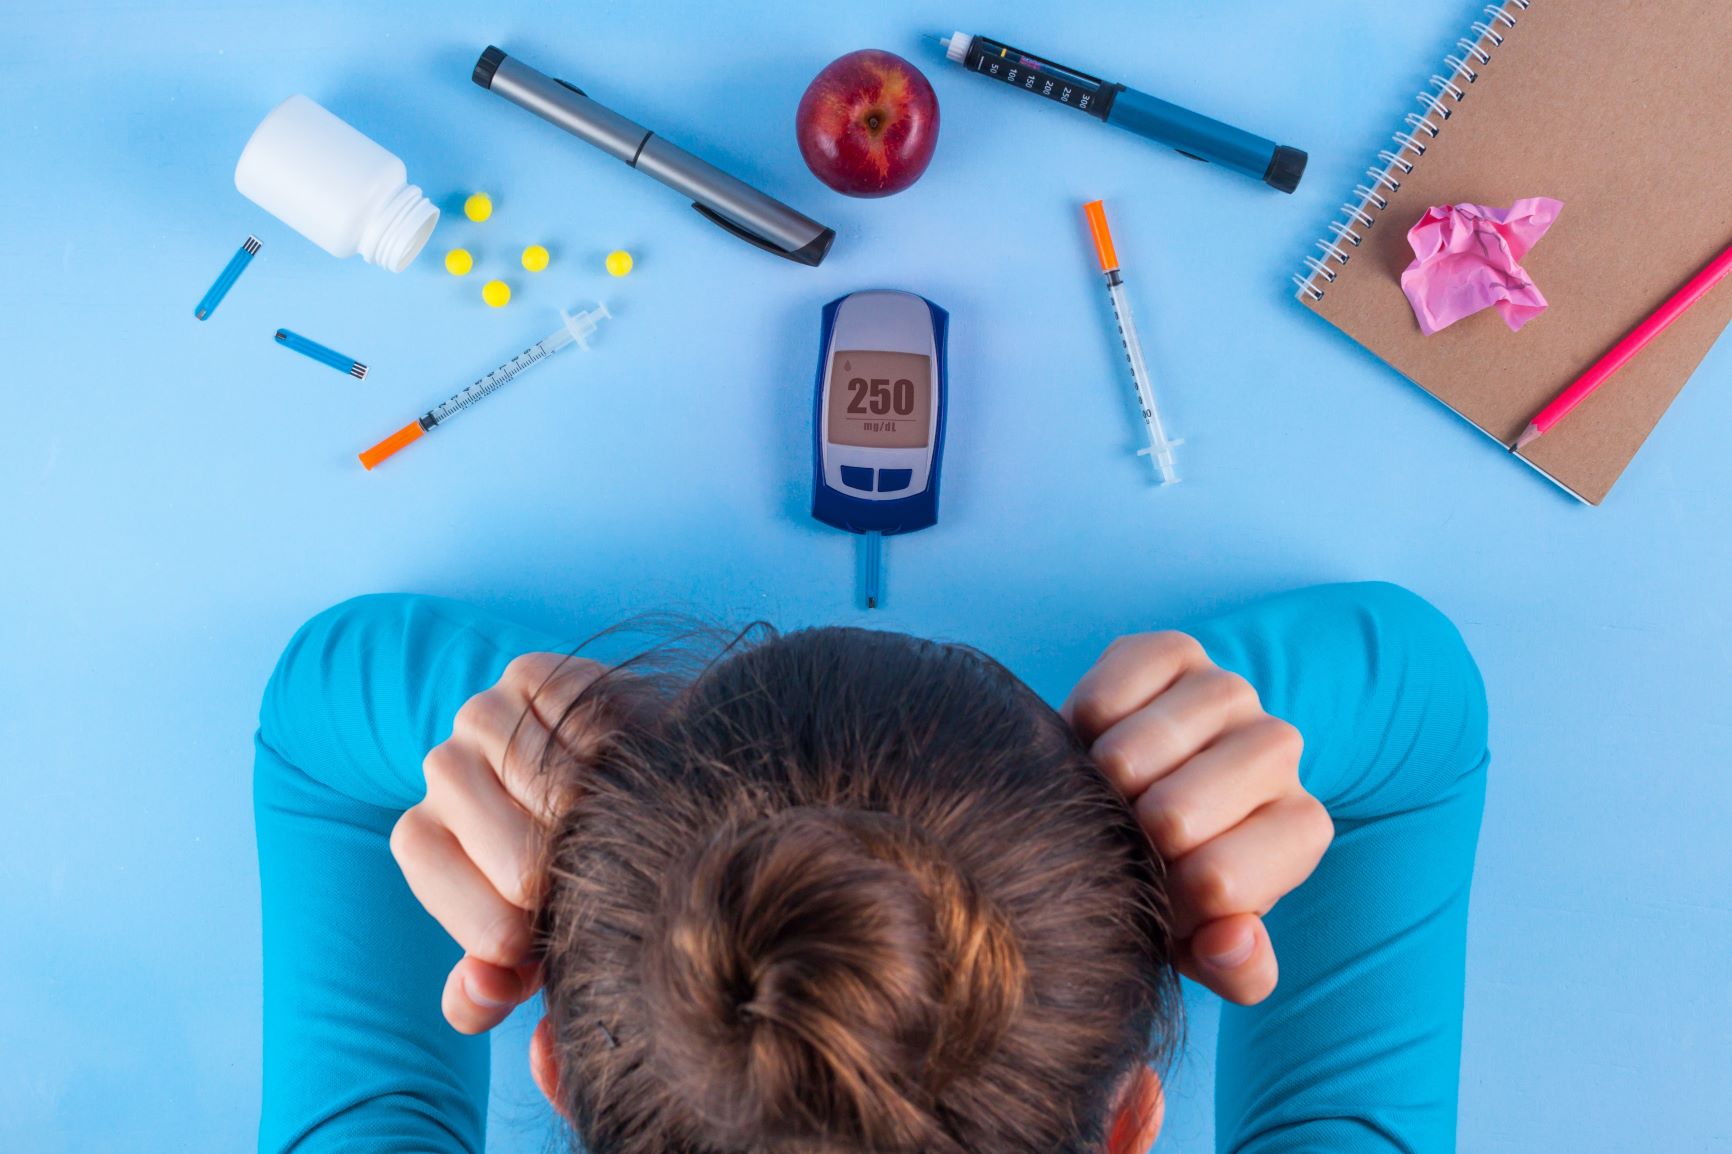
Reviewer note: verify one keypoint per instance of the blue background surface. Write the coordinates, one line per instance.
(179, 496)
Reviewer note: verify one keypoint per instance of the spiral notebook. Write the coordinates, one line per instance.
(1621, 110)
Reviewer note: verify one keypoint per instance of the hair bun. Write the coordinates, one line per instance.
(825, 972)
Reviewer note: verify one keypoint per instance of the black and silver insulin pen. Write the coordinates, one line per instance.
(1190, 133)
(735, 205)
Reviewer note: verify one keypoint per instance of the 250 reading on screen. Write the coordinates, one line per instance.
(880, 399)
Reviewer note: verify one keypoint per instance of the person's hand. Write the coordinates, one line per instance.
(468, 849)
(1214, 781)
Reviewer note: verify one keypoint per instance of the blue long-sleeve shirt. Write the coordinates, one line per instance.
(1357, 1051)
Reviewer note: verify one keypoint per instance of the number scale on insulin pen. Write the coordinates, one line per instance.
(878, 419)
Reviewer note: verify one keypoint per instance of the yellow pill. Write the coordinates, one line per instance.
(496, 293)
(478, 207)
(618, 262)
(535, 258)
(458, 262)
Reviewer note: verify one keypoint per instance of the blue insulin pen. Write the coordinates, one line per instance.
(1194, 135)
(878, 420)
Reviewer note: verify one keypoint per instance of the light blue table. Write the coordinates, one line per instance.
(178, 496)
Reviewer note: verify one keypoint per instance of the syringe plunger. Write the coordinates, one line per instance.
(577, 328)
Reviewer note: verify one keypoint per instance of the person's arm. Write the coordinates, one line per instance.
(1359, 1047)
(357, 1055)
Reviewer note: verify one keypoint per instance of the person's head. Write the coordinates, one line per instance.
(847, 891)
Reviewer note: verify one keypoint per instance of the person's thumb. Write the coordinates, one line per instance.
(1233, 957)
(479, 995)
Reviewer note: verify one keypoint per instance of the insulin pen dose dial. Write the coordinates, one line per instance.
(1040, 76)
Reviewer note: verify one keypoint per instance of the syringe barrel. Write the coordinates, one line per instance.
(1133, 346)
(1160, 446)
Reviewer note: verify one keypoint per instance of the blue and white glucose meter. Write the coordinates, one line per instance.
(878, 421)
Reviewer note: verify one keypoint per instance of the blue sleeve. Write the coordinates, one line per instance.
(357, 1054)
(1359, 1048)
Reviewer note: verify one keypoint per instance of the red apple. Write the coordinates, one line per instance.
(868, 123)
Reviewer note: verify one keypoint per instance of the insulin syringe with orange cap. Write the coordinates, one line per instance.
(576, 328)
(1160, 448)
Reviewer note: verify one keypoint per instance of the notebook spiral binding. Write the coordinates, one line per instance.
(1384, 178)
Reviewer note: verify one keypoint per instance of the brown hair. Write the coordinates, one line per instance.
(845, 891)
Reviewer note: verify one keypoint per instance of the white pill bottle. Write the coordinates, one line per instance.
(334, 186)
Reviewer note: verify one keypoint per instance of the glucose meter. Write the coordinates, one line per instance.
(878, 420)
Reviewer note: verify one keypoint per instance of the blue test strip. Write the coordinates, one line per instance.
(225, 280)
(321, 354)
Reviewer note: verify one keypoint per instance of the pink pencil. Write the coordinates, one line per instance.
(1627, 348)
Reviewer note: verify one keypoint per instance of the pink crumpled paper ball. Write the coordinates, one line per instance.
(1466, 259)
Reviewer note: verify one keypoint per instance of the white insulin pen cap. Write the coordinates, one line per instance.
(956, 46)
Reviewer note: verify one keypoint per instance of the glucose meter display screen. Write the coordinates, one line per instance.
(881, 400)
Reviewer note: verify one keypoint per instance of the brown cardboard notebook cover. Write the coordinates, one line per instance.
(1623, 111)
